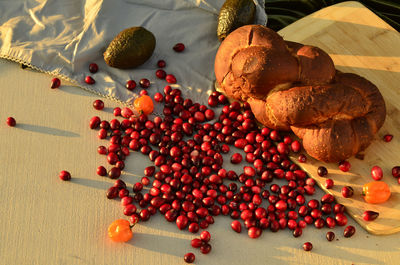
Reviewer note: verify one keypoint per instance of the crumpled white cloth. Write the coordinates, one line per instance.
(63, 37)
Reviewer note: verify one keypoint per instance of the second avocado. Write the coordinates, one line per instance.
(130, 48)
(234, 14)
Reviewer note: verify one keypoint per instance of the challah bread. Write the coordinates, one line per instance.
(291, 86)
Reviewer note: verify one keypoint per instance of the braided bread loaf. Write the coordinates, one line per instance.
(291, 86)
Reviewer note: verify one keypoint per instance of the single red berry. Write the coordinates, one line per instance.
(179, 47)
(98, 104)
(205, 248)
(117, 111)
(158, 97)
(130, 85)
(11, 121)
(101, 171)
(330, 236)
(144, 83)
(161, 74)
(302, 158)
(55, 83)
(349, 231)
(347, 191)
(344, 166)
(205, 236)
(329, 183)
(112, 192)
(396, 171)
(296, 146)
(254, 232)
(387, 137)
(196, 242)
(161, 63)
(236, 226)
(65, 175)
(93, 68)
(376, 173)
(89, 80)
(171, 79)
(236, 158)
(341, 219)
(189, 257)
(370, 215)
(307, 246)
(322, 171)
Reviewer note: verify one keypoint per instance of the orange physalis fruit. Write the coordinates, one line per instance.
(120, 231)
(376, 192)
(144, 104)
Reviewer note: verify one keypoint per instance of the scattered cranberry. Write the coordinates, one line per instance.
(161, 63)
(55, 83)
(344, 166)
(158, 97)
(205, 236)
(330, 236)
(302, 158)
(93, 68)
(101, 171)
(161, 74)
(130, 85)
(322, 171)
(370, 215)
(296, 146)
(144, 83)
(65, 175)
(376, 173)
(396, 171)
(189, 257)
(329, 183)
(349, 231)
(11, 121)
(98, 104)
(171, 79)
(179, 47)
(341, 219)
(307, 246)
(112, 192)
(236, 226)
(347, 191)
(236, 158)
(89, 80)
(387, 137)
(114, 173)
(117, 111)
(196, 242)
(254, 232)
(205, 248)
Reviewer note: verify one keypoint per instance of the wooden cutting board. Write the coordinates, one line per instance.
(362, 43)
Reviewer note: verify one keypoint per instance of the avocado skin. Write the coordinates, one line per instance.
(130, 48)
(234, 14)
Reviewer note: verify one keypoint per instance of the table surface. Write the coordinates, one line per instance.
(44, 220)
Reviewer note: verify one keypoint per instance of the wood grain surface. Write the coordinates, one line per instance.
(360, 42)
(44, 220)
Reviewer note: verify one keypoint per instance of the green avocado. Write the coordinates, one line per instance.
(130, 48)
(234, 14)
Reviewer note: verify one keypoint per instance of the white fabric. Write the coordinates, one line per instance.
(64, 37)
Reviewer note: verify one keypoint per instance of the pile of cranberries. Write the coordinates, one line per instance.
(188, 183)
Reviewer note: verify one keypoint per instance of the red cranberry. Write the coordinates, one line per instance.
(161, 63)
(236, 158)
(98, 104)
(182, 222)
(344, 166)
(112, 192)
(236, 226)
(396, 171)
(205, 236)
(161, 74)
(101, 171)
(338, 208)
(55, 83)
(341, 219)
(370, 215)
(179, 47)
(307, 246)
(158, 97)
(65, 175)
(89, 80)
(129, 209)
(196, 242)
(114, 173)
(144, 215)
(349, 231)
(93, 124)
(330, 222)
(322, 171)
(117, 111)
(130, 85)
(295, 146)
(205, 248)
(297, 232)
(11, 122)
(330, 236)
(93, 68)
(189, 257)
(254, 232)
(387, 137)
(171, 79)
(302, 158)
(376, 173)
(144, 83)
(347, 191)
(329, 183)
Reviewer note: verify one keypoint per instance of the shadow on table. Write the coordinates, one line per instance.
(46, 130)
(158, 243)
(101, 185)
